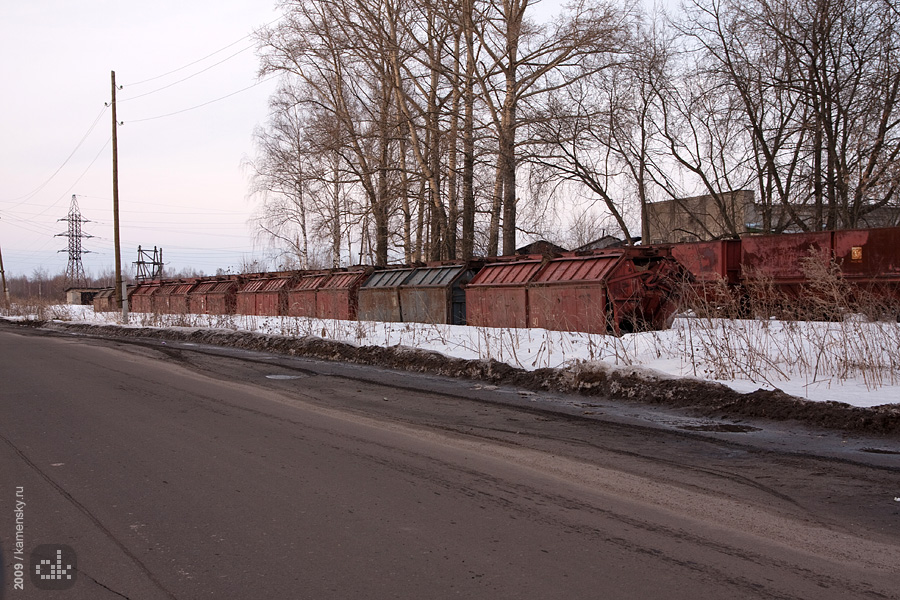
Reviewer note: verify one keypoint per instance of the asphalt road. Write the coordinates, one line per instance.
(175, 471)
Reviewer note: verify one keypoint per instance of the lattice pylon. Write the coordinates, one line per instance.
(75, 276)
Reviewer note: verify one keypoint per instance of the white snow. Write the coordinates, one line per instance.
(854, 361)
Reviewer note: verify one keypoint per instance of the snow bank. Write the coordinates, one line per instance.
(854, 361)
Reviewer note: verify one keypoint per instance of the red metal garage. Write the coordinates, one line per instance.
(781, 258)
(215, 296)
(338, 296)
(179, 298)
(140, 301)
(160, 302)
(265, 296)
(301, 298)
(497, 297)
(709, 262)
(619, 290)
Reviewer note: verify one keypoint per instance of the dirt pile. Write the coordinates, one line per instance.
(590, 379)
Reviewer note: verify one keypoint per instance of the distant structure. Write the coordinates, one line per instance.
(736, 214)
(700, 218)
(81, 295)
(541, 247)
(607, 241)
(75, 276)
(148, 266)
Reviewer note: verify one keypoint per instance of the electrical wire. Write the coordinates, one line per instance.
(199, 60)
(41, 229)
(31, 216)
(28, 196)
(37, 228)
(47, 230)
(206, 212)
(178, 112)
(37, 190)
(174, 83)
(80, 177)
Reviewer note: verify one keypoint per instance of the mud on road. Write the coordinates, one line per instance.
(580, 495)
(700, 398)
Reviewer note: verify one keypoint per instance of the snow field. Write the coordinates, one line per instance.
(853, 361)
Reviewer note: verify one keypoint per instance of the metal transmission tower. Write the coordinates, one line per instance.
(75, 270)
(147, 266)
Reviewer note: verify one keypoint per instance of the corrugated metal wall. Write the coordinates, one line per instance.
(338, 297)
(379, 296)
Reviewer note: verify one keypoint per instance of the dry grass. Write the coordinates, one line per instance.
(38, 309)
(835, 333)
(825, 330)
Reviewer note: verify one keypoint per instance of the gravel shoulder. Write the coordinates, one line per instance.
(700, 398)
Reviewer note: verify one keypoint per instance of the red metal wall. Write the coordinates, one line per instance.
(141, 298)
(301, 303)
(179, 299)
(337, 304)
(871, 259)
(711, 261)
(222, 301)
(301, 299)
(246, 296)
(507, 273)
(218, 297)
(576, 307)
(338, 298)
(272, 299)
(264, 296)
(199, 297)
(781, 256)
(160, 301)
(569, 294)
(497, 307)
(869, 254)
(496, 296)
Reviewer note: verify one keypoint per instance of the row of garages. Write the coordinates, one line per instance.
(624, 289)
(866, 258)
(615, 290)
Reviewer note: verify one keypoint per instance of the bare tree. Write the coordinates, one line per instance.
(527, 61)
(602, 131)
(813, 88)
(349, 77)
(281, 176)
(410, 86)
(576, 144)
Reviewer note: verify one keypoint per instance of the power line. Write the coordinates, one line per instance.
(29, 226)
(199, 60)
(80, 177)
(28, 196)
(178, 112)
(162, 205)
(174, 83)
(33, 226)
(33, 193)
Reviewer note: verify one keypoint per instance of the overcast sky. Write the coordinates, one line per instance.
(181, 181)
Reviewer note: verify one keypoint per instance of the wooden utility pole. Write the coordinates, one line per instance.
(115, 167)
(3, 277)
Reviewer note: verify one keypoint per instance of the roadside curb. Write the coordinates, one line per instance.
(586, 378)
